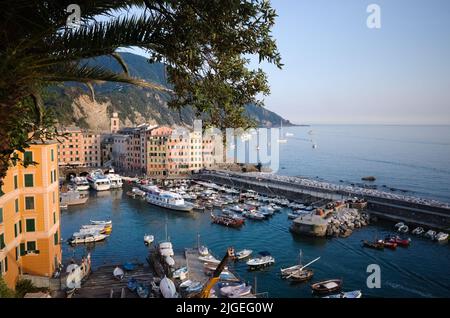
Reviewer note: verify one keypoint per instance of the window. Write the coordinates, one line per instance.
(16, 182)
(29, 180)
(16, 232)
(22, 249)
(1, 215)
(20, 226)
(31, 246)
(28, 156)
(55, 238)
(54, 217)
(2, 241)
(17, 253)
(16, 205)
(30, 225)
(52, 155)
(29, 203)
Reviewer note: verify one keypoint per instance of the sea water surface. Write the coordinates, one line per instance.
(403, 157)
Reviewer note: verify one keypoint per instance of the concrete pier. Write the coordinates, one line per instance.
(393, 209)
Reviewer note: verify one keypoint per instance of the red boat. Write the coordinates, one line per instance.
(227, 220)
(399, 241)
(389, 244)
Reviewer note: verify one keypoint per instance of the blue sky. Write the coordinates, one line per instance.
(339, 71)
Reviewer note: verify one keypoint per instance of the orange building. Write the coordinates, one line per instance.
(30, 216)
(80, 148)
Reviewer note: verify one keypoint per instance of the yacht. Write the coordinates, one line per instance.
(81, 183)
(115, 179)
(166, 199)
(98, 181)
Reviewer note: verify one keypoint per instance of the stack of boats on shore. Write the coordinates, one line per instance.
(96, 231)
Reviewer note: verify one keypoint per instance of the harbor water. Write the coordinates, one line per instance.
(422, 270)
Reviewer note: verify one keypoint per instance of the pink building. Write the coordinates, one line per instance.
(80, 148)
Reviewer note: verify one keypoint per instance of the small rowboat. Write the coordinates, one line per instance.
(101, 222)
(327, 286)
(243, 254)
(301, 275)
(390, 245)
(399, 241)
(350, 294)
(148, 239)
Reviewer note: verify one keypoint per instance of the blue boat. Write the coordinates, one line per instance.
(132, 284)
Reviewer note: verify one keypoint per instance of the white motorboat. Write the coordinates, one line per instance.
(399, 225)
(72, 197)
(101, 222)
(253, 215)
(115, 179)
(81, 183)
(166, 199)
(229, 290)
(186, 283)
(209, 259)
(118, 273)
(243, 254)
(98, 181)
(148, 239)
(418, 231)
(441, 237)
(264, 260)
(237, 208)
(179, 272)
(350, 294)
(80, 238)
(430, 234)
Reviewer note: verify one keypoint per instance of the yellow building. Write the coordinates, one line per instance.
(30, 216)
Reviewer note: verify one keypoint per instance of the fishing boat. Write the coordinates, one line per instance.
(441, 237)
(203, 250)
(298, 272)
(98, 181)
(79, 238)
(243, 254)
(327, 286)
(398, 240)
(136, 193)
(80, 183)
(391, 245)
(209, 259)
(118, 273)
(227, 220)
(166, 199)
(148, 239)
(264, 260)
(418, 231)
(377, 245)
(350, 294)
(430, 234)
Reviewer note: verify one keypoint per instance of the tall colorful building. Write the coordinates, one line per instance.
(30, 216)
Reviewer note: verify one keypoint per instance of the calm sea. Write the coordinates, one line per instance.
(411, 158)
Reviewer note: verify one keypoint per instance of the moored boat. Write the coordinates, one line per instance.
(166, 199)
(327, 286)
(264, 260)
(228, 221)
(441, 237)
(98, 181)
(430, 234)
(148, 239)
(398, 240)
(243, 254)
(118, 273)
(418, 231)
(80, 238)
(350, 294)
(377, 245)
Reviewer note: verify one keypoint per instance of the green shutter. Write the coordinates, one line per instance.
(17, 253)
(29, 180)
(15, 230)
(22, 249)
(16, 182)
(20, 226)
(28, 157)
(30, 225)
(54, 217)
(1, 215)
(2, 241)
(16, 204)
(52, 155)
(56, 241)
(6, 264)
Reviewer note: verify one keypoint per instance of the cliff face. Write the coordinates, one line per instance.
(135, 105)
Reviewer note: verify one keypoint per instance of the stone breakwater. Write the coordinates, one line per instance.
(342, 223)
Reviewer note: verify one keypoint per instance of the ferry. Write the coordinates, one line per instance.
(166, 199)
(81, 183)
(98, 181)
(115, 179)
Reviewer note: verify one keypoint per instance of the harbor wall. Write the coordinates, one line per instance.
(390, 209)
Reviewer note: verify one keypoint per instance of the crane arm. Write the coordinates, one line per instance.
(216, 276)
